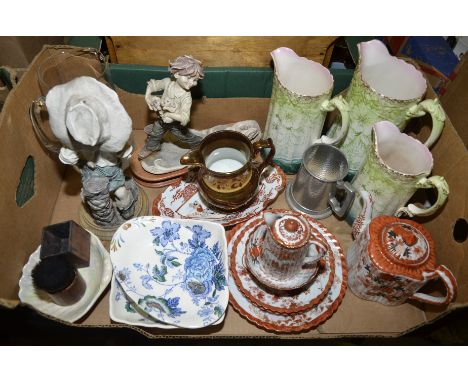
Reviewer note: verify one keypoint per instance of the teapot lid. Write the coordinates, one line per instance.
(401, 246)
(291, 231)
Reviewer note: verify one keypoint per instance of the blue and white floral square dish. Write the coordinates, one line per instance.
(122, 309)
(174, 270)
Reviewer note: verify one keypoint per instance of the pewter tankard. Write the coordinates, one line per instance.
(318, 181)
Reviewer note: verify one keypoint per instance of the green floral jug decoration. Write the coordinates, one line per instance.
(300, 101)
(396, 166)
(383, 88)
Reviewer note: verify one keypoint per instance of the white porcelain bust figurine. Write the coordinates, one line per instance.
(173, 107)
(92, 125)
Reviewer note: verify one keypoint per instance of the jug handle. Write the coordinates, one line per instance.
(340, 209)
(265, 144)
(34, 112)
(192, 158)
(449, 281)
(329, 105)
(433, 107)
(442, 187)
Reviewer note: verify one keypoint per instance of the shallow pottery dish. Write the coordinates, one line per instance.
(97, 276)
(122, 309)
(175, 270)
(183, 200)
(248, 306)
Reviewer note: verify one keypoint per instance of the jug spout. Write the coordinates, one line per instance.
(283, 58)
(365, 217)
(192, 158)
(300, 75)
(388, 75)
(372, 52)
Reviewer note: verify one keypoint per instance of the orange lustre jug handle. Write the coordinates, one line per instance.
(265, 144)
(449, 281)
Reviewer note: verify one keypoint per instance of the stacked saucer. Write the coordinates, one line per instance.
(285, 311)
(169, 273)
(184, 201)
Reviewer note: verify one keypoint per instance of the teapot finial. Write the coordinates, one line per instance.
(365, 217)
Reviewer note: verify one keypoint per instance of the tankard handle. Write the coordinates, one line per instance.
(265, 144)
(435, 181)
(449, 281)
(433, 107)
(329, 105)
(34, 114)
(340, 208)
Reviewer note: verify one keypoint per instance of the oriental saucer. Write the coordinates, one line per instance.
(183, 200)
(316, 313)
(96, 276)
(174, 270)
(285, 302)
(303, 277)
(125, 311)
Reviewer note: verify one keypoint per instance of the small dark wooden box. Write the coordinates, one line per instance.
(67, 239)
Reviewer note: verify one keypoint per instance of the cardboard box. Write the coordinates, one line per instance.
(18, 52)
(56, 198)
(455, 100)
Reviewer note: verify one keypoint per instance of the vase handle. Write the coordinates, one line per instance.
(442, 187)
(449, 281)
(329, 105)
(34, 114)
(433, 107)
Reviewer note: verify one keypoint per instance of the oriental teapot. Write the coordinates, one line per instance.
(392, 259)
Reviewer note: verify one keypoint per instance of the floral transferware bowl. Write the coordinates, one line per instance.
(97, 276)
(122, 309)
(174, 270)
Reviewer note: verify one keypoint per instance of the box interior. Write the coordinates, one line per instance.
(56, 198)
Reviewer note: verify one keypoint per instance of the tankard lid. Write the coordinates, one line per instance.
(291, 231)
(401, 247)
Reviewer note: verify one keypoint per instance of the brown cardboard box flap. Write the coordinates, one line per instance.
(57, 199)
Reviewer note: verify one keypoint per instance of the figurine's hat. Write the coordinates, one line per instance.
(87, 111)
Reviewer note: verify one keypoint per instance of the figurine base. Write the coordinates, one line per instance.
(106, 233)
(151, 180)
(156, 184)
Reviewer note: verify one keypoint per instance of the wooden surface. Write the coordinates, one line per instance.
(212, 50)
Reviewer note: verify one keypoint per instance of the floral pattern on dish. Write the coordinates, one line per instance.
(180, 274)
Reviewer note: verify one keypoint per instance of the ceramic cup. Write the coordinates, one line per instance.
(289, 246)
(320, 178)
(228, 175)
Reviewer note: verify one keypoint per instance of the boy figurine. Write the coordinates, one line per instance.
(173, 107)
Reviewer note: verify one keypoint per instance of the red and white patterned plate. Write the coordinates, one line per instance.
(183, 201)
(281, 322)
